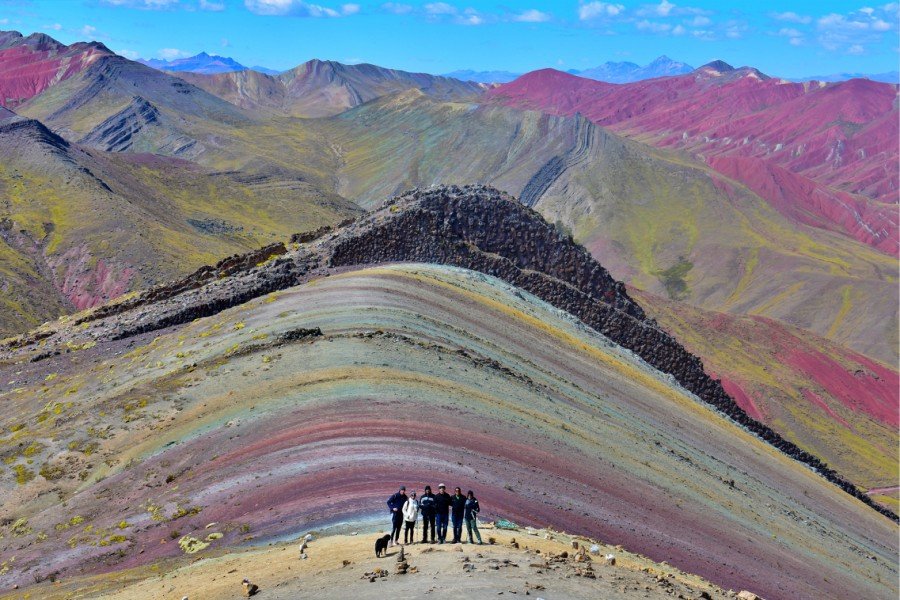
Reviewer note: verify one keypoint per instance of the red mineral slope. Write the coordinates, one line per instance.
(824, 397)
(806, 201)
(29, 65)
(835, 145)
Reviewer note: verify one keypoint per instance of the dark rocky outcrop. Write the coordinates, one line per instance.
(473, 227)
(117, 133)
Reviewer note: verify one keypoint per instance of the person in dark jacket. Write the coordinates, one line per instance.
(427, 508)
(442, 512)
(395, 504)
(457, 510)
(471, 515)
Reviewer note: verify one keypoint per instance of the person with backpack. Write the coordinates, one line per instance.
(442, 512)
(471, 511)
(457, 508)
(427, 508)
(410, 514)
(395, 505)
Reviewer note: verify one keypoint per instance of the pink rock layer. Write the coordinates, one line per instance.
(840, 136)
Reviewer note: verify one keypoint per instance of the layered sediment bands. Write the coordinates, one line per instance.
(513, 243)
(116, 134)
(476, 228)
(255, 420)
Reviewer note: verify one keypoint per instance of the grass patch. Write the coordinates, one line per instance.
(673, 279)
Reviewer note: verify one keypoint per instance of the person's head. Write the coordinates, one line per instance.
(427, 489)
(442, 489)
(403, 489)
(412, 494)
(458, 492)
(470, 494)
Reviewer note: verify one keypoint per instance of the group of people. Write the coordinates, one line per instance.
(437, 511)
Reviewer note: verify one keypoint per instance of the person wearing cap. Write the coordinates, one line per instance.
(442, 512)
(471, 514)
(426, 507)
(410, 514)
(458, 508)
(395, 504)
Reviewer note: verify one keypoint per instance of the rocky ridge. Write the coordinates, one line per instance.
(473, 227)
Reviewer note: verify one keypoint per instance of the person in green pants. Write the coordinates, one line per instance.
(471, 515)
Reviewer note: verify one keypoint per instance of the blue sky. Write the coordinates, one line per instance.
(780, 38)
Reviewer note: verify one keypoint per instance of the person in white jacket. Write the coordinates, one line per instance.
(410, 514)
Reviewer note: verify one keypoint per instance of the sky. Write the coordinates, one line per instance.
(787, 39)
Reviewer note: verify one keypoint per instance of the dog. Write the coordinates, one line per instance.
(250, 589)
(381, 545)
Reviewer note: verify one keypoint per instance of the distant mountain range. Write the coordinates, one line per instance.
(627, 72)
(319, 88)
(207, 64)
(483, 76)
(887, 77)
(612, 72)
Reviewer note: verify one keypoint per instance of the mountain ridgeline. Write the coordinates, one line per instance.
(475, 228)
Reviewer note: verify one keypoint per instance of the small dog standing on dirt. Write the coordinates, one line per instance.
(381, 545)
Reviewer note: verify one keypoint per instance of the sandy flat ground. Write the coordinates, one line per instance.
(535, 569)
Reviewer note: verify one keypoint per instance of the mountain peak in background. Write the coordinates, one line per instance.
(205, 63)
(29, 65)
(627, 72)
(719, 66)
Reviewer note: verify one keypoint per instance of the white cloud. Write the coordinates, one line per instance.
(852, 31)
(669, 9)
(88, 30)
(792, 17)
(532, 16)
(129, 54)
(397, 8)
(789, 32)
(440, 8)
(54, 27)
(593, 10)
(225, 43)
(210, 5)
(836, 21)
(472, 20)
(350, 9)
(653, 26)
(678, 30)
(699, 21)
(172, 53)
(143, 4)
(664, 8)
(734, 33)
(297, 8)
